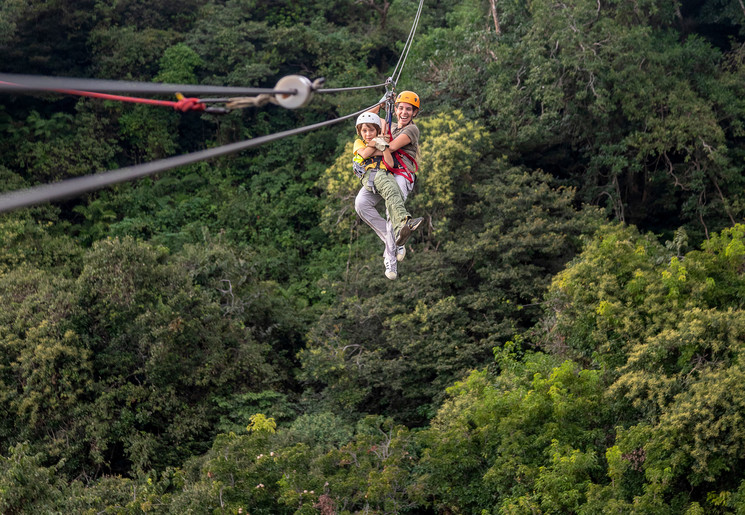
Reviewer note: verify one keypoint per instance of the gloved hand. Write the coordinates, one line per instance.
(380, 143)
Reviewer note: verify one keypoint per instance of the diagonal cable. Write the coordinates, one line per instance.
(411, 40)
(78, 185)
(73, 187)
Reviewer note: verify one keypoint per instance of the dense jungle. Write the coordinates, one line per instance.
(567, 331)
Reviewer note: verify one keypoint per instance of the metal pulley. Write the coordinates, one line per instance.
(303, 91)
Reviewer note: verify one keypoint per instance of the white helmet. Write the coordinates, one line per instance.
(368, 117)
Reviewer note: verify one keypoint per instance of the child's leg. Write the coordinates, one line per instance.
(364, 204)
(386, 186)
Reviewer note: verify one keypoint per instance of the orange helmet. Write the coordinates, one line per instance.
(409, 97)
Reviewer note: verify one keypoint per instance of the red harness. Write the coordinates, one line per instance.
(399, 168)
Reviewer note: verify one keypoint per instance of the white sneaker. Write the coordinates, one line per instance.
(400, 253)
(390, 269)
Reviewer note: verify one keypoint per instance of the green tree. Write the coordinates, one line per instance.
(603, 97)
(394, 347)
(9, 15)
(26, 484)
(128, 360)
(666, 328)
(163, 350)
(524, 438)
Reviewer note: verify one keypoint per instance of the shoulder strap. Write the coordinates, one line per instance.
(408, 156)
(400, 167)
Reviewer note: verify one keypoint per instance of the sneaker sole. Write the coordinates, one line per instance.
(403, 235)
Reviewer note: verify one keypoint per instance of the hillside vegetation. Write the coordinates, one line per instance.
(566, 332)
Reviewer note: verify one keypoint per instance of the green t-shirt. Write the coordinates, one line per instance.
(412, 148)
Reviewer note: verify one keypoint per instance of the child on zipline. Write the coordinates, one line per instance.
(371, 163)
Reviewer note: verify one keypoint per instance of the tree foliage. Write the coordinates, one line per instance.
(120, 366)
(665, 328)
(221, 337)
(392, 349)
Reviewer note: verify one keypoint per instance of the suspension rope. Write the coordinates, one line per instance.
(407, 45)
(183, 104)
(96, 88)
(86, 87)
(78, 185)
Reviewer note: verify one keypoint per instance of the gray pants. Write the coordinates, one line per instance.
(365, 205)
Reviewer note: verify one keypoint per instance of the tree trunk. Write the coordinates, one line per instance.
(494, 15)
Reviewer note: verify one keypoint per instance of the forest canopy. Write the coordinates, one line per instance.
(565, 332)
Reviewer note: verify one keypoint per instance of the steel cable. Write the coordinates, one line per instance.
(407, 45)
(72, 187)
(352, 88)
(10, 82)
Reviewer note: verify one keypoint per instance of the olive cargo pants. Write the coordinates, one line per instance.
(394, 190)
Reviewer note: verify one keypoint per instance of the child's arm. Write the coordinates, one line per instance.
(368, 152)
(363, 150)
(373, 149)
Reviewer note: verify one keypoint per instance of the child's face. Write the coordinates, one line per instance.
(404, 113)
(368, 131)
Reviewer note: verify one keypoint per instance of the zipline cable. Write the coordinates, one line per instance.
(10, 82)
(291, 91)
(78, 185)
(96, 88)
(409, 42)
(352, 88)
(183, 104)
(407, 45)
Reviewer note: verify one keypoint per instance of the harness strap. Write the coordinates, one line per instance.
(374, 164)
(401, 169)
(371, 180)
